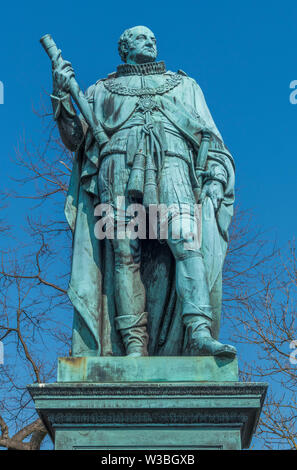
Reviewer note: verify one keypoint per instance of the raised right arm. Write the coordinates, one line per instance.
(71, 127)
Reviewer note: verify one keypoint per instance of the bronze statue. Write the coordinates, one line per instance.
(145, 136)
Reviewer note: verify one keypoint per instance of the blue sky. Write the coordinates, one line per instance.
(243, 55)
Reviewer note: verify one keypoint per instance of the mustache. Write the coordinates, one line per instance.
(151, 48)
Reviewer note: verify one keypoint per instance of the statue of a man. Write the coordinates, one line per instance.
(135, 296)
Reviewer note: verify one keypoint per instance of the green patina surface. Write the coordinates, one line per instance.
(132, 297)
(147, 369)
(154, 143)
(143, 415)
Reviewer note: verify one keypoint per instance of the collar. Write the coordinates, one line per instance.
(149, 68)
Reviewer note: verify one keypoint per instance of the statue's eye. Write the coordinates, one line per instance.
(140, 37)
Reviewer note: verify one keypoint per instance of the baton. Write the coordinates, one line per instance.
(78, 96)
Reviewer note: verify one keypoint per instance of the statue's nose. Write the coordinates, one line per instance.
(149, 42)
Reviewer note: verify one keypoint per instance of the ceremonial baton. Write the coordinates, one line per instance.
(78, 96)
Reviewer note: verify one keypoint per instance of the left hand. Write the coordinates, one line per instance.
(213, 189)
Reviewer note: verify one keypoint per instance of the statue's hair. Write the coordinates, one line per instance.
(124, 40)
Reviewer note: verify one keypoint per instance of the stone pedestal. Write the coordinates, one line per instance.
(149, 403)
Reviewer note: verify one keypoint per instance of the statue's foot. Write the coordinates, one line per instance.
(136, 349)
(134, 333)
(135, 355)
(212, 347)
(137, 352)
(202, 344)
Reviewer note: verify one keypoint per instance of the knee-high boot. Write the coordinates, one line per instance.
(198, 334)
(133, 329)
(193, 291)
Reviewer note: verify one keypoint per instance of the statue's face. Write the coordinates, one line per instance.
(141, 46)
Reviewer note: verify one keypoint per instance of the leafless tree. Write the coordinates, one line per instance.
(35, 315)
(263, 315)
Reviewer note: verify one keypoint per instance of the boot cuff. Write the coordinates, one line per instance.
(128, 321)
(203, 311)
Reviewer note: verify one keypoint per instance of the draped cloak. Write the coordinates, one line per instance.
(91, 287)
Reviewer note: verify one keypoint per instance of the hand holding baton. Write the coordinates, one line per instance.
(78, 96)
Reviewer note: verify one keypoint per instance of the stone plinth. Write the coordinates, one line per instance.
(146, 369)
(149, 403)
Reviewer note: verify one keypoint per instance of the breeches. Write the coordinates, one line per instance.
(175, 193)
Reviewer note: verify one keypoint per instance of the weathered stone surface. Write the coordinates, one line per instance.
(189, 415)
(146, 369)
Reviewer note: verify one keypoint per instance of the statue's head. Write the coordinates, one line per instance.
(138, 45)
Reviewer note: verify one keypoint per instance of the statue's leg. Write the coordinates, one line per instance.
(192, 289)
(130, 296)
(131, 319)
(191, 279)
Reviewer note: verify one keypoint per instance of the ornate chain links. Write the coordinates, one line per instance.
(113, 86)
